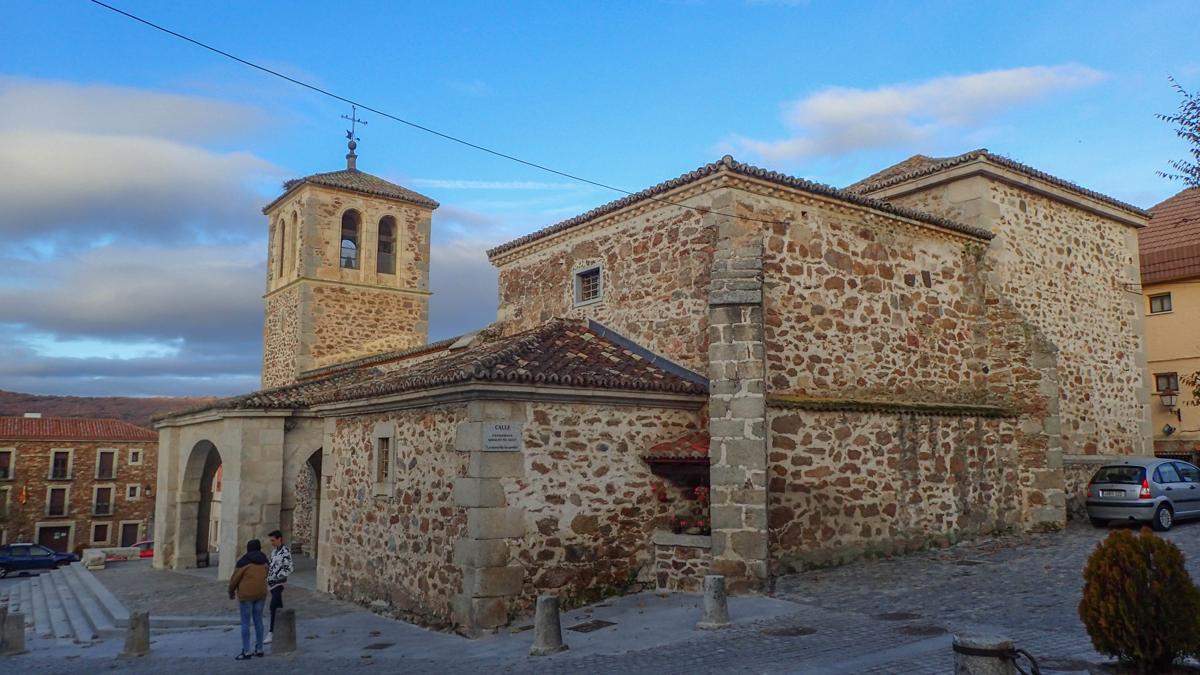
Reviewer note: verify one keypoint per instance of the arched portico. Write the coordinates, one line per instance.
(195, 507)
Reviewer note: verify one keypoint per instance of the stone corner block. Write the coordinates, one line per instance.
(475, 492)
(495, 464)
(495, 523)
(493, 582)
(481, 552)
(471, 615)
(468, 436)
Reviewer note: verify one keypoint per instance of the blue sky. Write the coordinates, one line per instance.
(132, 165)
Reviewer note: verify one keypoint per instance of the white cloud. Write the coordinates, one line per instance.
(838, 120)
(150, 189)
(32, 105)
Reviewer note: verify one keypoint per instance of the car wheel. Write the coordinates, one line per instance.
(1099, 522)
(3, 572)
(1164, 518)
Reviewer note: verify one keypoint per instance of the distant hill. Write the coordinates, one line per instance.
(134, 410)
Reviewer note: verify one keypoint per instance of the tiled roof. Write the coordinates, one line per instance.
(376, 359)
(561, 352)
(558, 353)
(71, 429)
(731, 165)
(689, 447)
(920, 165)
(1170, 244)
(356, 181)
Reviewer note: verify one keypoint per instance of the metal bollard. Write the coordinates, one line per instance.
(547, 630)
(716, 604)
(14, 634)
(284, 638)
(982, 654)
(137, 640)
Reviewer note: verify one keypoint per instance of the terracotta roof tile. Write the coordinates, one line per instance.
(561, 352)
(731, 165)
(1170, 244)
(356, 181)
(920, 165)
(689, 447)
(72, 429)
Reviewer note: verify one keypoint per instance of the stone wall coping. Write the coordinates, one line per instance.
(1099, 459)
(885, 406)
(667, 538)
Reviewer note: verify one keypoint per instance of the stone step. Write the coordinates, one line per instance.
(59, 624)
(117, 614)
(100, 621)
(81, 627)
(27, 602)
(41, 611)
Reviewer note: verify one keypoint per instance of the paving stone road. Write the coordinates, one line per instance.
(880, 616)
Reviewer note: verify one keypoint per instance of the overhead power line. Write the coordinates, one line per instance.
(410, 123)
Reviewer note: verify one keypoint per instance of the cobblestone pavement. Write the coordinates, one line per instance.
(198, 593)
(881, 616)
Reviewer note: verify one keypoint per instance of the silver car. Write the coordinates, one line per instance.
(1148, 489)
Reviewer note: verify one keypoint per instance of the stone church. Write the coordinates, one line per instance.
(734, 370)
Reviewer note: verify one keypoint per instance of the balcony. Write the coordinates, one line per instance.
(102, 509)
(60, 474)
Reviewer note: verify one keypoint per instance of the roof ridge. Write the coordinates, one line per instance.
(355, 180)
(1019, 167)
(728, 163)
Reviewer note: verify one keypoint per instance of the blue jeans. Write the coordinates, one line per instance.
(252, 608)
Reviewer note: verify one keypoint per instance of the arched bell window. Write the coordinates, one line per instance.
(351, 222)
(281, 232)
(385, 260)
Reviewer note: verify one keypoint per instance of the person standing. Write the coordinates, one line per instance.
(277, 575)
(249, 585)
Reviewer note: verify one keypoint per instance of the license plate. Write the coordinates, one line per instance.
(1112, 493)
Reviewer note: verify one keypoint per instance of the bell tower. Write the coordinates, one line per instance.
(347, 270)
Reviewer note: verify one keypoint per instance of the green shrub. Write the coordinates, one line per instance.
(1139, 603)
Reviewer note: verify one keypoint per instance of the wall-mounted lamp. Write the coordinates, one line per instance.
(1170, 401)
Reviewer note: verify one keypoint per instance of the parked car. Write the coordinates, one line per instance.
(1144, 489)
(30, 557)
(145, 549)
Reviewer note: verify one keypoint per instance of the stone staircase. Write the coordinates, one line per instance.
(68, 605)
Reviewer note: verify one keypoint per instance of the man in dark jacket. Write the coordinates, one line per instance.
(277, 575)
(249, 585)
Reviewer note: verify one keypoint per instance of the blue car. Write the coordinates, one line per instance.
(16, 558)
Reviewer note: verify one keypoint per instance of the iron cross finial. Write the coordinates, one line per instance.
(351, 137)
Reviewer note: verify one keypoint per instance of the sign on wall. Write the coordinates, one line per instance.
(502, 437)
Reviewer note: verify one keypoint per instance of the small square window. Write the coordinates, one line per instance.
(1160, 303)
(588, 286)
(100, 533)
(133, 492)
(135, 457)
(1166, 382)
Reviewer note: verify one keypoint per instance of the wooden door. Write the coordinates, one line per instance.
(54, 538)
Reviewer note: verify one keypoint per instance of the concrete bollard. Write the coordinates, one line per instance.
(13, 634)
(137, 640)
(716, 604)
(3, 618)
(982, 654)
(284, 638)
(547, 630)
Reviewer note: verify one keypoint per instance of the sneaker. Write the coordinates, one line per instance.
(259, 654)
(242, 657)
(268, 640)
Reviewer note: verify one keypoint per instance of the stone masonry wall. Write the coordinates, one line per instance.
(589, 508)
(1066, 271)
(680, 565)
(862, 306)
(848, 483)
(352, 321)
(394, 553)
(282, 327)
(655, 281)
(31, 475)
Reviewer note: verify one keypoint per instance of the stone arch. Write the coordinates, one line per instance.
(196, 500)
(306, 517)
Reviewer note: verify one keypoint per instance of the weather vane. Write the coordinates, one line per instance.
(350, 135)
